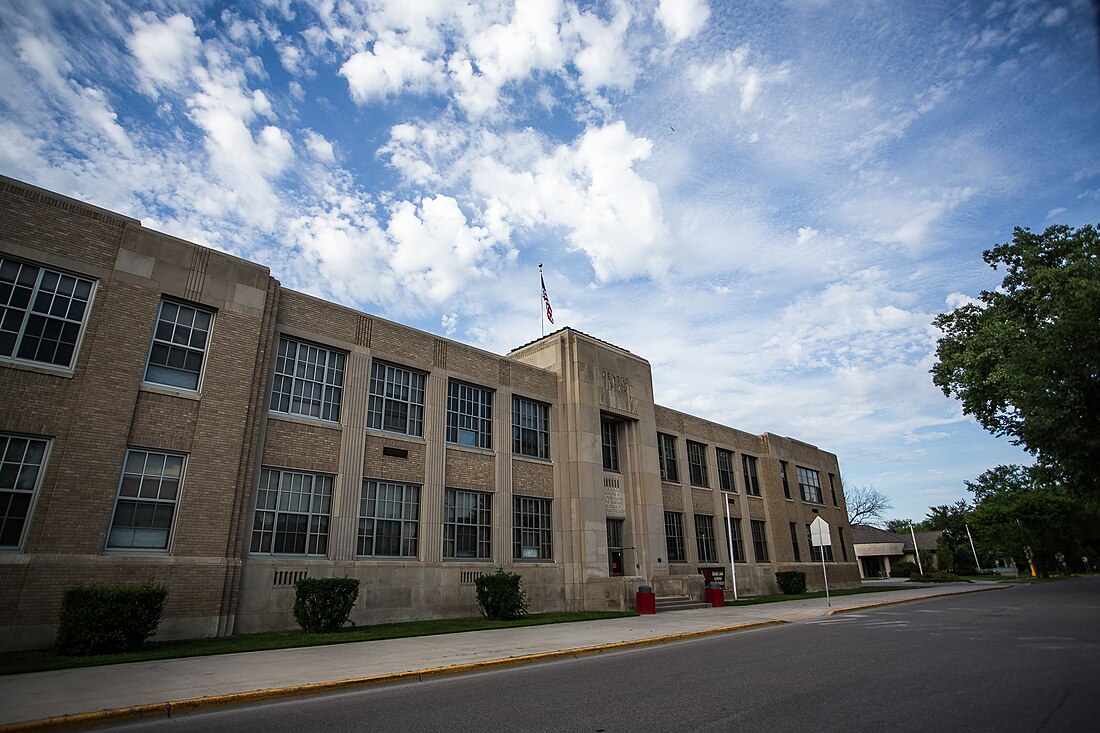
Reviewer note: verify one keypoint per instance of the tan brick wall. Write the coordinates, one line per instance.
(467, 469)
(301, 445)
(532, 478)
(377, 466)
(302, 313)
(673, 498)
(402, 344)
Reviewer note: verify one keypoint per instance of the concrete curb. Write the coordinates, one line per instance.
(895, 601)
(182, 707)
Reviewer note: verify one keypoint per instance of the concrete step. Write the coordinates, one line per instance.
(677, 603)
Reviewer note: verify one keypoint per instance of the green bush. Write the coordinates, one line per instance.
(791, 582)
(501, 595)
(98, 619)
(903, 569)
(938, 576)
(322, 605)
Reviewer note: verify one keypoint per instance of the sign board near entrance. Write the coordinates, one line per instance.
(819, 533)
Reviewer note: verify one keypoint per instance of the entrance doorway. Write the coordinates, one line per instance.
(615, 547)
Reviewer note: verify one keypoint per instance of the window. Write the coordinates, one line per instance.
(843, 545)
(725, 469)
(530, 428)
(467, 525)
(146, 504)
(666, 453)
(42, 312)
(674, 537)
(292, 513)
(469, 415)
(815, 552)
(704, 538)
(809, 481)
(396, 402)
(389, 519)
(21, 461)
(609, 433)
(738, 542)
(786, 481)
(531, 533)
(179, 345)
(794, 542)
(832, 488)
(309, 381)
(752, 481)
(697, 463)
(759, 541)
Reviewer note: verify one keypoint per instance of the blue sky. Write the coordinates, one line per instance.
(770, 201)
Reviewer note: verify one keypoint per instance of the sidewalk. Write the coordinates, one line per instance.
(101, 695)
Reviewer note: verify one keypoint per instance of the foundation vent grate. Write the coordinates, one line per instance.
(287, 578)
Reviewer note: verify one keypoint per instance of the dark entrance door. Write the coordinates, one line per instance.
(615, 547)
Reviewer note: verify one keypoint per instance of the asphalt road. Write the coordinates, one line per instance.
(1021, 659)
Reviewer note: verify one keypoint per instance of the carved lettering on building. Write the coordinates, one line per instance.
(615, 392)
(614, 497)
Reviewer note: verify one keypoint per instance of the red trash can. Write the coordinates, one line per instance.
(716, 597)
(645, 600)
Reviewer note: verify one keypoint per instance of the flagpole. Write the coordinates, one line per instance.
(542, 323)
(729, 536)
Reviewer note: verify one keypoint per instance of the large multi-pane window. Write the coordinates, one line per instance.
(752, 479)
(759, 540)
(309, 380)
(809, 481)
(42, 312)
(531, 533)
(815, 552)
(396, 402)
(794, 542)
(725, 469)
(292, 513)
(21, 461)
(786, 481)
(146, 503)
(469, 415)
(609, 438)
(697, 463)
(738, 541)
(389, 519)
(666, 453)
(179, 345)
(467, 525)
(530, 428)
(704, 538)
(674, 537)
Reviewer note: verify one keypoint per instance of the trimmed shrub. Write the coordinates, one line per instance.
(791, 582)
(322, 605)
(938, 576)
(903, 569)
(501, 595)
(100, 619)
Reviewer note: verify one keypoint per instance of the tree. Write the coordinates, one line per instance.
(1025, 362)
(898, 526)
(953, 544)
(866, 504)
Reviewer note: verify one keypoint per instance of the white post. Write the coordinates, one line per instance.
(969, 537)
(542, 309)
(916, 550)
(828, 598)
(729, 536)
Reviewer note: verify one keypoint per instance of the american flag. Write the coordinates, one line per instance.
(546, 299)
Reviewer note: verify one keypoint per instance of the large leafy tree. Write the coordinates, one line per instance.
(1025, 362)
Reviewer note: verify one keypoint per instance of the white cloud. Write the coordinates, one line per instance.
(164, 50)
(389, 69)
(603, 61)
(735, 68)
(1055, 17)
(682, 19)
(319, 147)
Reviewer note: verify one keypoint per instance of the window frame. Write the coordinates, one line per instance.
(29, 312)
(697, 464)
(815, 551)
(751, 469)
(794, 542)
(806, 488)
(666, 456)
(734, 527)
(415, 382)
(171, 344)
(540, 430)
(318, 521)
(706, 539)
(532, 515)
(483, 532)
(137, 500)
(786, 481)
(461, 397)
(14, 490)
(330, 397)
(674, 537)
(726, 480)
(759, 530)
(408, 503)
(609, 444)
(832, 488)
